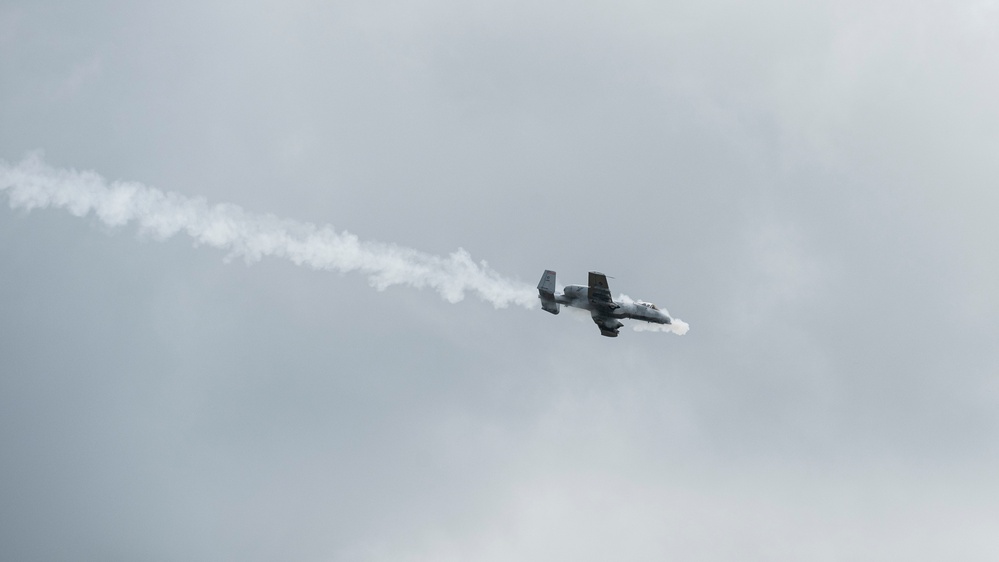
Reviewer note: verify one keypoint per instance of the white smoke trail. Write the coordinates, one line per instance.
(32, 184)
(678, 327)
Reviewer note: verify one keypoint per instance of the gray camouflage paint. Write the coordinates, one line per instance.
(595, 297)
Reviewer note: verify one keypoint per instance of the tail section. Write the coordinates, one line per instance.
(546, 292)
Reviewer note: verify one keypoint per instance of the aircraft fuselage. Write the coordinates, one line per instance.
(577, 296)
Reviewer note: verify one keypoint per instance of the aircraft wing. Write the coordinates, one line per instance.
(599, 291)
(608, 326)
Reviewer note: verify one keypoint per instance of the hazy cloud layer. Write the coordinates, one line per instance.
(810, 186)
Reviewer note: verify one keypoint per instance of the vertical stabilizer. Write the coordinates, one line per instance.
(546, 292)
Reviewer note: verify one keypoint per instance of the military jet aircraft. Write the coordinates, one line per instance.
(596, 298)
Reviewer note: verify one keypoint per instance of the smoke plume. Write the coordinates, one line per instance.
(678, 327)
(32, 184)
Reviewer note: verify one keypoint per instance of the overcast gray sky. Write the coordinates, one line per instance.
(811, 186)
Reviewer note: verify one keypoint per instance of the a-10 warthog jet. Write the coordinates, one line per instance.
(596, 298)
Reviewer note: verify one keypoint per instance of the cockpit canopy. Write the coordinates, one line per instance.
(648, 305)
